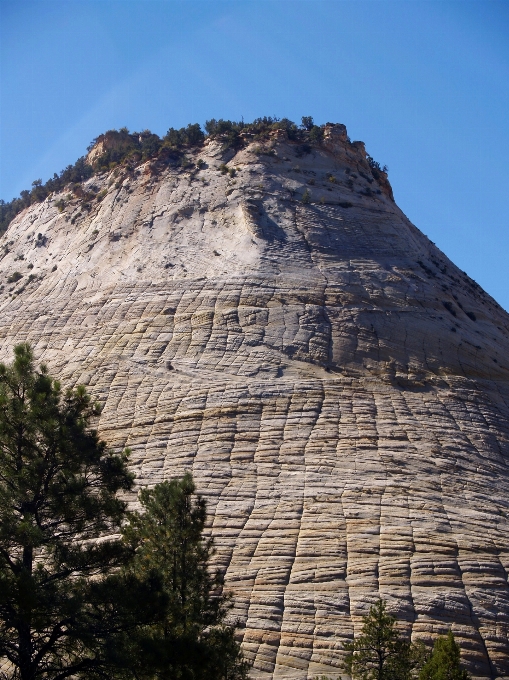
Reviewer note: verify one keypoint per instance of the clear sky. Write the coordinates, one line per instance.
(424, 83)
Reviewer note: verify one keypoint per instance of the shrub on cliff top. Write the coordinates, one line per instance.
(376, 168)
(122, 146)
(192, 135)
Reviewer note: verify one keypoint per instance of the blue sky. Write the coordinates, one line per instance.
(424, 83)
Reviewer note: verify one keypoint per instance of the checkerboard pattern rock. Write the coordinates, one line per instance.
(338, 388)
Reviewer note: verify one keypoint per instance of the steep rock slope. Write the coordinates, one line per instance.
(339, 389)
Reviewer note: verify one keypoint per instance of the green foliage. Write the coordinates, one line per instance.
(188, 637)
(117, 146)
(123, 147)
(78, 172)
(227, 130)
(307, 123)
(192, 135)
(264, 151)
(185, 162)
(376, 168)
(38, 192)
(234, 134)
(168, 537)
(306, 197)
(15, 276)
(289, 127)
(58, 487)
(379, 653)
(142, 608)
(419, 655)
(316, 134)
(444, 663)
(150, 145)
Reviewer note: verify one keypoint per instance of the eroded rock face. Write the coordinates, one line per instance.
(339, 389)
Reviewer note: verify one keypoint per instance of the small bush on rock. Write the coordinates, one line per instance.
(16, 276)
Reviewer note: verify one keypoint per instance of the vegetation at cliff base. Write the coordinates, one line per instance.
(444, 662)
(381, 652)
(58, 491)
(88, 590)
(188, 637)
(121, 147)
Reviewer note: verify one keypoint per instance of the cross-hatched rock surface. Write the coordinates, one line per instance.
(338, 387)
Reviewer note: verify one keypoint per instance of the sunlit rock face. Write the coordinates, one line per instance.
(339, 389)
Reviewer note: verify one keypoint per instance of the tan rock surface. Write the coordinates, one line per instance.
(339, 389)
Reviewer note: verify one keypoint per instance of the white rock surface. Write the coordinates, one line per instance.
(339, 389)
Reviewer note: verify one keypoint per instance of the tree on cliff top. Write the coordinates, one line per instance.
(58, 487)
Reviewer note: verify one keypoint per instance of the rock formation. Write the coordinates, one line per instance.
(270, 320)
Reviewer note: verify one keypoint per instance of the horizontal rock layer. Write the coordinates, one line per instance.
(339, 389)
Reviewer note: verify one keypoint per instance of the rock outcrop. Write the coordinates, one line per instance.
(339, 389)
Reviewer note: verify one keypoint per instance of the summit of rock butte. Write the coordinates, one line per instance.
(270, 320)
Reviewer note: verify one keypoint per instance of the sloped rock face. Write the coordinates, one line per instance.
(339, 389)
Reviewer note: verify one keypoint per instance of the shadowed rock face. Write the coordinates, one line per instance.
(339, 389)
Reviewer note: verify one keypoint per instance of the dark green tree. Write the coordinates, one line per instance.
(288, 126)
(194, 134)
(376, 168)
(189, 637)
(58, 493)
(316, 134)
(307, 122)
(149, 144)
(215, 127)
(173, 138)
(379, 653)
(444, 663)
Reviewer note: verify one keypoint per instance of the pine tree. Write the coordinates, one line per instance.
(307, 122)
(58, 487)
(444, 663)
(189, 637)
(379, 653)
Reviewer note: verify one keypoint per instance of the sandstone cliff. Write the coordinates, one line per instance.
(339, 389)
